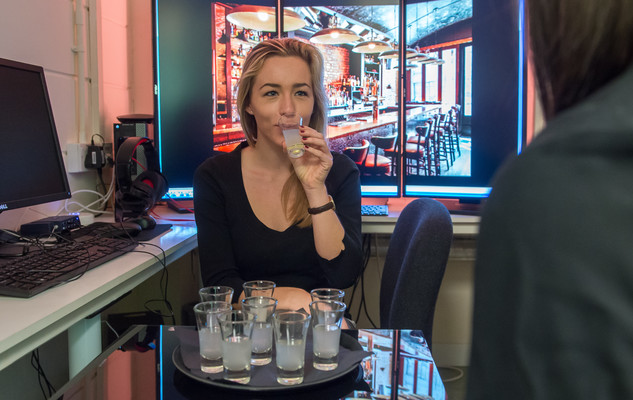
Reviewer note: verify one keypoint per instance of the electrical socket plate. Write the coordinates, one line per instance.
(76, 156)
(107, 149)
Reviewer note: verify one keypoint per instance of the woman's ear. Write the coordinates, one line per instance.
(249, 110)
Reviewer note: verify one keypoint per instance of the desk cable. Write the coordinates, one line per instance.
(361, 280)
(41, 375)
(163, 283)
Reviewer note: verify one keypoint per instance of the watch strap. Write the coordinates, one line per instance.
(327, 206)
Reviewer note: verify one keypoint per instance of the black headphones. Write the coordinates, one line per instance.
(135, 197)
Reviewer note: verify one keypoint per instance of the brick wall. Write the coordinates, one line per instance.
(336, 62)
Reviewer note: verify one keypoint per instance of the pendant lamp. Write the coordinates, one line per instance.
(334, 36)
(394, 53)
(371, 46)
(262, 18)
(423, 58)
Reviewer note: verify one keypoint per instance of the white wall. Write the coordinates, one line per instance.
(117, 63)
(42, 32)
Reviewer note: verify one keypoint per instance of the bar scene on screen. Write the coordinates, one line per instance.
(361, 47)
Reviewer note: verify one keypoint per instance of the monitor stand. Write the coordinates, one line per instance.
(463, 206)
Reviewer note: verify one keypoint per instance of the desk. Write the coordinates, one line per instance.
(28, 323)
(148, 372)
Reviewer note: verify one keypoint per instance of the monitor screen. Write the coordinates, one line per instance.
(31, 166)
(476, 92)
(438, 127)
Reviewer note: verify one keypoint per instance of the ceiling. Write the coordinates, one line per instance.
(423, 18)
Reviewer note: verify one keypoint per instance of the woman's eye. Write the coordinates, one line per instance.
(270, 93)
(302, 93)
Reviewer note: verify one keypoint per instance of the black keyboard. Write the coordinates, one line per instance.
(373, 210)
(44, 266)
(103, 229)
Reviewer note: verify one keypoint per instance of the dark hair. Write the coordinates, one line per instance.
(578, 46)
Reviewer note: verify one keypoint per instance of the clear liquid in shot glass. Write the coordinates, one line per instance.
(289, 125)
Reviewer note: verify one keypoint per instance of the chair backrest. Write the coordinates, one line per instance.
(414, 266)
(424, 132)
(358, 154)
(384, 142)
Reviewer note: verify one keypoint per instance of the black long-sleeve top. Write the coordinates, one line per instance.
(235, 246)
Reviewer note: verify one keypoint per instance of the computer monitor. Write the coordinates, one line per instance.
(31, 165)
(478, 68)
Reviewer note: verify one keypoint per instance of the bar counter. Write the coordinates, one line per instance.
(359, 125)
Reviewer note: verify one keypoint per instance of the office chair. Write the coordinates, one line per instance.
(414, 267)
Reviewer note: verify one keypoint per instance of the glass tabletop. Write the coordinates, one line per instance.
(140, 365)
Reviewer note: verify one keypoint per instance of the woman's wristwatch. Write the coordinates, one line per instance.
(318, 210)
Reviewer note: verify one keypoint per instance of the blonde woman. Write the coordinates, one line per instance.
(264, 215)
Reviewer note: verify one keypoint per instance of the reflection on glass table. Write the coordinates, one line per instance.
(147, 363)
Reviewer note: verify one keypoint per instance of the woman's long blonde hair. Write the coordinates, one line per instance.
(293, 197)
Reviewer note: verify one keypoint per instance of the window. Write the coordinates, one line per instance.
(432, 80)
(416, 85)
(468, 80)
(449, 77)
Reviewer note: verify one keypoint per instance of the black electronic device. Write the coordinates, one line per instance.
(136, 195)
(95, 157)
(32, 169)
(132, 125)
(117, 230)
(46, 226)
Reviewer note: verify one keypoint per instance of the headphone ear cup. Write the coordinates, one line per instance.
(135, 198)
(150, 187)
(160, 185)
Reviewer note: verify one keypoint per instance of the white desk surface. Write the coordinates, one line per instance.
(28, 323)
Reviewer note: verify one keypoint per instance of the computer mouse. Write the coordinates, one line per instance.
(130, 227)
(146, 222)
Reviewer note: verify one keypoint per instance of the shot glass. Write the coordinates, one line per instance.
(237, 329)
(259, 288)
(327, 316)
(291, 328)
(327, 294)
(208, 317)
(262, 308)
(216, 293)
(289, 125)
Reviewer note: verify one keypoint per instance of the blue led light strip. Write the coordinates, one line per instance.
(160, 359)
(521, 72)
(157, 133)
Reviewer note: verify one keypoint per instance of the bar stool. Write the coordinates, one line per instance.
(440, 151)
(418, 149)
(377, 163)
(358, 154)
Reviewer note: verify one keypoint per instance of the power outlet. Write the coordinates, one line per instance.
(109, 153)
(107, 149)
(76, 155)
